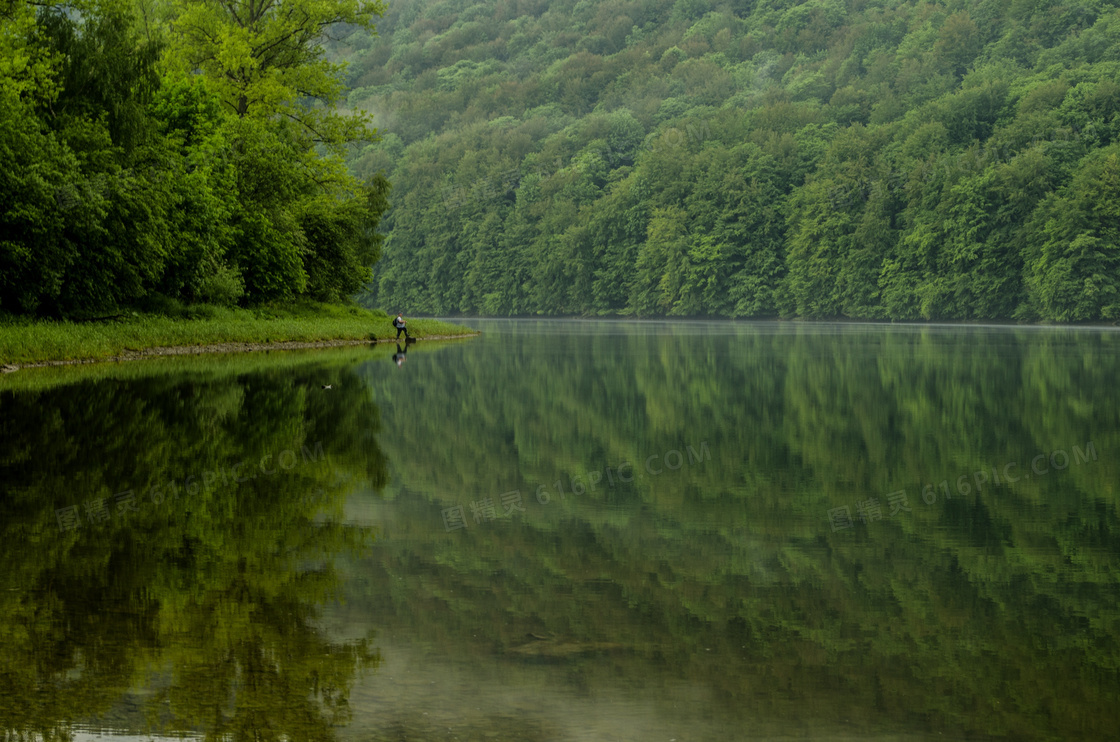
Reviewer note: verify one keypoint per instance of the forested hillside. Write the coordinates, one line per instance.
(902, 160)
(154, 152)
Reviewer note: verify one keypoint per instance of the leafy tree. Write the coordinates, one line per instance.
(129, 176)
(263, 58)
(1074, 278)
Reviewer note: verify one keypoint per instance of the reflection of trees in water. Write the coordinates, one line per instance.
(208, 600)
(966, 612)
(869, 409)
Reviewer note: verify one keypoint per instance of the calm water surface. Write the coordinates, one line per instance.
(571, 531)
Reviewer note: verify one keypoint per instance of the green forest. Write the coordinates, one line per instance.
(823, 159)
(169, 152)
(865, 159)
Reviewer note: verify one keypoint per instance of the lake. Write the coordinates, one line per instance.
(571, 530)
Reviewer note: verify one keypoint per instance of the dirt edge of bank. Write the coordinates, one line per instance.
(190, 350)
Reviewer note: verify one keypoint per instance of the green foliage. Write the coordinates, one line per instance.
(343, 241)
(262, 58)
(894, 160)
(223, 287)
(194, 156)
(909, 159)
(1076, 275)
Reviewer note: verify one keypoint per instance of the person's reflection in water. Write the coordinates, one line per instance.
(399, 357)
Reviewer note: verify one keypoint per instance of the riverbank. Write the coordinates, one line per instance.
(27, 344)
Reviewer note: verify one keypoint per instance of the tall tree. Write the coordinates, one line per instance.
(265, 57)
(302, 224)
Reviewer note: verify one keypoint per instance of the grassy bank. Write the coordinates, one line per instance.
(318, 364)
(23, 341)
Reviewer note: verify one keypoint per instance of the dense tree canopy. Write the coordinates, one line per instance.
(898, 159)
(182, 151)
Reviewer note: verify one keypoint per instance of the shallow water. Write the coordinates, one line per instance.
(572, 530)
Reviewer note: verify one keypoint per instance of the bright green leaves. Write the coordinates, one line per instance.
(187, 107)
(301, 223)
(26, 67)
(657, 284)
(85, 223)
(265, 58)
(122, 185)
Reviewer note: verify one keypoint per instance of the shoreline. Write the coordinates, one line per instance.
(231, 347)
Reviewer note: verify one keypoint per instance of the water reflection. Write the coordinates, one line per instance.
(169, 540)
(646, 541)
(401, 355)
(723, 581)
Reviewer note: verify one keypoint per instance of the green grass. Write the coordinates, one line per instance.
(24, 341)
(209, 366)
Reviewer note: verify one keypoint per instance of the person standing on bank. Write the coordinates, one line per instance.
(399, 324)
